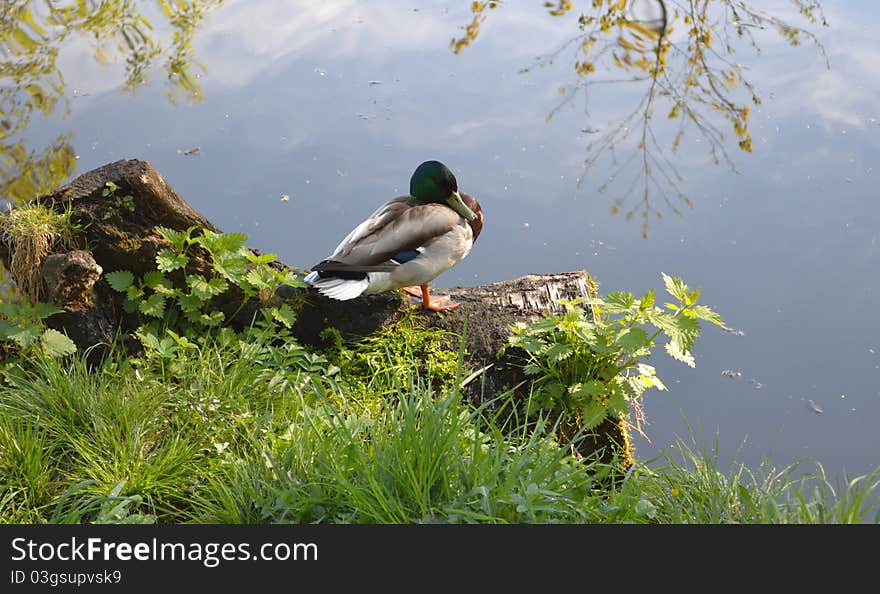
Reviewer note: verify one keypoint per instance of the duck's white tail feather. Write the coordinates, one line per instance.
(337, 288)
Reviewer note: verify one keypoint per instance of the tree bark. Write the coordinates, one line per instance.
(120, 235)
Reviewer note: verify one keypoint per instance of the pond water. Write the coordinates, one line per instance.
(313, 113)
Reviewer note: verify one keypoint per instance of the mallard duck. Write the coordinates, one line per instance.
(408, 242)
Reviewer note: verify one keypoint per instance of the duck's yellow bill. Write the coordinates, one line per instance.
(460, 207)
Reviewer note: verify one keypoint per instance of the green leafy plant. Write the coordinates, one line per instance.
(156, 296)
(589, 367)
(21, 325)
(119, 200)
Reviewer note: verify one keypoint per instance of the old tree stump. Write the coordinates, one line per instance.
(119, 235)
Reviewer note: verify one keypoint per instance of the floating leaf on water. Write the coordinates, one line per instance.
(731, 373)
(192, 151)
(815, 407)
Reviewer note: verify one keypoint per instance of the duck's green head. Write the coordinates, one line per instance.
(433, 182)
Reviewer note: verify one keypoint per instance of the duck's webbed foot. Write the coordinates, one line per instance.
(438, 303)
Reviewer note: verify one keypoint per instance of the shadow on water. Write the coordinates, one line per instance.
(32, 84)
(681, 59)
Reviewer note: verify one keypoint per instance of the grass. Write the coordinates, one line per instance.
(244, 432)
(32, 232)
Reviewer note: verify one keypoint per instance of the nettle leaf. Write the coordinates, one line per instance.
(284, 314)
(619, 301)
(154, 305)
(674, 349)
(167, 260)
(203, 288)
(154, 279)
(587, 389)
(260, 278)
(703, 312)
(532, 345)
(632, 340)
(261, 259)
(558, 352)
(212, 320)
(222, 244)
(56, 344)
(592, 413)
(119, 280)
(647, 302)
(129, 305)
(44, 310)
(617, 405)
(675, 287)
(232, 267)
(189, 303)
(177, 239)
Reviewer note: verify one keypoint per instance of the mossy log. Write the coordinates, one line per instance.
(121, 235)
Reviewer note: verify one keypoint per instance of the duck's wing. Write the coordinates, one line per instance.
(392, 235)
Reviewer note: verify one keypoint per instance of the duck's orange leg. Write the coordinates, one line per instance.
(441, 303)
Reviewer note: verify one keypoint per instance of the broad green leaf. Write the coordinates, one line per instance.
(153, 306)
(705, 313)
(676, 352)
(619, 301)
(632, 340)
(617, 405)
(558, 352)
(56, 344)
(215, 318)
(592, 413)
(119, 280)
(203, 288)
(587, 389)
(532, 345)
(154, 278)
(189, 303)
(44, 310)
(232, 267)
